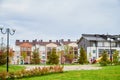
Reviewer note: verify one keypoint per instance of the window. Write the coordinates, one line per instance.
(93, 44)
(29, 49)
(28, 53)
(100, 52)
(42, 48)
(48, 48)
(113, 44)
(106, 44)
(43, 57)
(100, 44)
(17, 56)
(23, 49)
(43, 53)
(94, 51)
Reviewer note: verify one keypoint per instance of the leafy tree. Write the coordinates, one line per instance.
(11, 54)
(69, 54)
(3, 58)
(83, 56)
(53, 57)
(66, 49)
(35, 57)
(116, 57)
(104, 60)
(24, 55)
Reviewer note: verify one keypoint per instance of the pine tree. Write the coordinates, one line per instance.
(53, 57)
(35, 57)
(83, 57)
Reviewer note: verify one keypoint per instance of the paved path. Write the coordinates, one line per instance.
(67, 68)
(81, 67)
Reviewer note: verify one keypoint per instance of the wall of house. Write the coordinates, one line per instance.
(84, 43)
(94, 53)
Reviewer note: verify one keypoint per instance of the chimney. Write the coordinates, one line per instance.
(41, 40)
(56, 41)
(68, 40)
(23, 40)
(35, 40)
(17, 42)
(27, 40)
(62, 40)
(50, 40)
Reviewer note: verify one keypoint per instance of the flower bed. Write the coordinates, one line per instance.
(29, 73)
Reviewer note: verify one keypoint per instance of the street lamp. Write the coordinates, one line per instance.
(110, 49)
(8, 32)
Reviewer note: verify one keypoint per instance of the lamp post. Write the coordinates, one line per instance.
(110, 51)
(8, 32)
(110, 40)
(96, 45)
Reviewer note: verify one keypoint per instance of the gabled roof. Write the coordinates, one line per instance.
(94, 38)
(99, 37)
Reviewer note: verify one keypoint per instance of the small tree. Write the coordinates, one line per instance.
(11, 54)
(115, 57)
(53, 57)
(83, 57)
(3, 58)
(104, 60)
(35, 57)
(24, 55)
(69, 57)
(69, 54)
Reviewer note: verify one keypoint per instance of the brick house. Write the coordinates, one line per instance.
(26, 47)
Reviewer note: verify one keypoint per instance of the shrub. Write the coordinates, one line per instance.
(29, 73)
(58, 69)
(116, 58)
(18, 74)
(3, 75)
(11, 75)
(104, 60)
(3, 58)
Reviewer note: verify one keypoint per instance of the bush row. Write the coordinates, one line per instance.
(38, 71)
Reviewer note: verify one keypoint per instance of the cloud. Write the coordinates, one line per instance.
(55, 19)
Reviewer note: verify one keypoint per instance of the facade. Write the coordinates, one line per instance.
(24, 49)
(95, 44)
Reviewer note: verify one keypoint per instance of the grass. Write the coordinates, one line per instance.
(12, 68)
(106, 73)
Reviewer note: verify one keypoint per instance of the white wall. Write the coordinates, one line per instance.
(93, 54)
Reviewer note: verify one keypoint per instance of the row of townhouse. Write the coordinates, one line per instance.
(95, 44)
(26, 47)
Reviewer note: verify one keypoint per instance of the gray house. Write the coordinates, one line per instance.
(95, 44)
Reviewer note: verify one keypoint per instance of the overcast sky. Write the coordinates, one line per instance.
(59, 19)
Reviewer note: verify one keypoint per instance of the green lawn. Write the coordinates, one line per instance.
(12, 68)
(106, 73)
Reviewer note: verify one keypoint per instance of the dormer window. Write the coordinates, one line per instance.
(118, 38)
